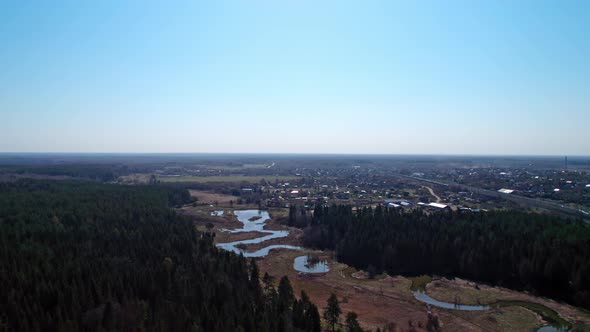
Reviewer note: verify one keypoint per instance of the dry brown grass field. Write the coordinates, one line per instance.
(385, 300)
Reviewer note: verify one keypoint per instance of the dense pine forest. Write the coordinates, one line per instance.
(85, 256)
(546, 255)
(99, 172)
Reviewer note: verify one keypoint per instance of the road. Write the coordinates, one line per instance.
(438, 200)
(527, 201)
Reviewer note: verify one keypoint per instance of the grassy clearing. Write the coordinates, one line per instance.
(135, 178)
(278, 213)
(465, 293)
(348, 271)
(212, 197)
(548, 315)
(507, 319)
(469, 293)
(231, 167)
(380, 276)
(582, 327)
(514, 319)
(224, 178)
(419, 282)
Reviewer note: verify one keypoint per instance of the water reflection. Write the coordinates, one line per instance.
(549, 328)
(310, 264)
(423, 297)
(254, 221)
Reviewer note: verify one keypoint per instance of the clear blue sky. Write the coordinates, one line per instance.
(469, 77)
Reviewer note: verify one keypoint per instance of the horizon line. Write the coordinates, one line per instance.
(299, 153)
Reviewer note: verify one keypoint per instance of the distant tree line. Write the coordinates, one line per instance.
(99, 172)
(86, 256)
(546, 255)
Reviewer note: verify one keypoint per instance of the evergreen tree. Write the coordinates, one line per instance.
(285, 303)
(352, 324)
(286, 297)
(332, 311)
(313, 320)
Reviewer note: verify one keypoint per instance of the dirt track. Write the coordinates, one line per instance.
(438, 200)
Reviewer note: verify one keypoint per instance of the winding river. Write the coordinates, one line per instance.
(423, 297)
(257, 225)
(255, 220)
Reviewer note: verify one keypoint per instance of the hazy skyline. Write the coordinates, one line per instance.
(295, 77)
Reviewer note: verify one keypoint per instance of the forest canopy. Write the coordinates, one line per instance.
(87, 256)
(546, 255)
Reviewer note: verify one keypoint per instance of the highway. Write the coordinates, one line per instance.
(544, 204)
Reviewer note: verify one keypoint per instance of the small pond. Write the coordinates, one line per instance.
(310, 264)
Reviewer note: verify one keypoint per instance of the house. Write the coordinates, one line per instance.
(438, 206)
(343, 195)
(401, 202)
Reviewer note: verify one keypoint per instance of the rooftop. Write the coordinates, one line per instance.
(438, 205)
(506, 191)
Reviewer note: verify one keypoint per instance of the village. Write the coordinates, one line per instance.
(398, 183)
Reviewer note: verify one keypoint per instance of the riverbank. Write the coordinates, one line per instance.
(468, 292)
(384, 301)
